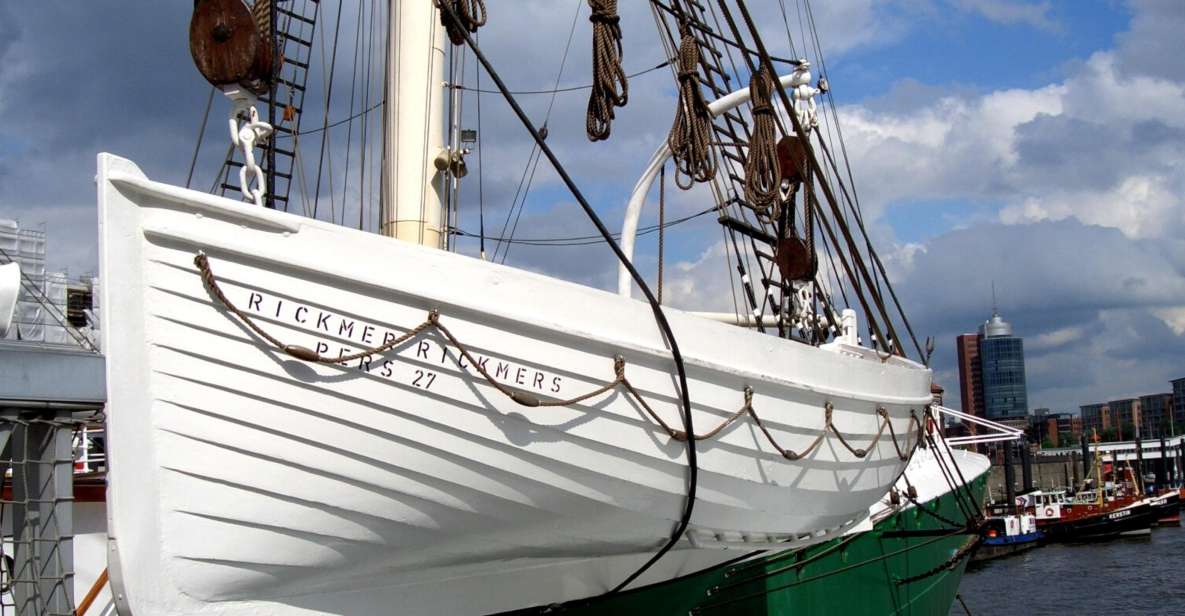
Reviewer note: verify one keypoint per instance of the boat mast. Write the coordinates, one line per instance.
(412, 124)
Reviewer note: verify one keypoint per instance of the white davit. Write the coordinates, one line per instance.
(244, 480)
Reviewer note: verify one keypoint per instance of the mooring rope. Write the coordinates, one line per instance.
(610, 86)
(527, 399)
(691, 135)
(763, 175)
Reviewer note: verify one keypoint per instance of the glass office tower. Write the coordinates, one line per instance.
(1002, 359)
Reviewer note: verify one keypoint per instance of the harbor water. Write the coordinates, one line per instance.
(1138, 575)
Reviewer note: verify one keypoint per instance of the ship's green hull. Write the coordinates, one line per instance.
(905, 565)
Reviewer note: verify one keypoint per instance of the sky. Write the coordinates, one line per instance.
(1035, 146)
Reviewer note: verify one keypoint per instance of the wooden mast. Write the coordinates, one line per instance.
(412, 124)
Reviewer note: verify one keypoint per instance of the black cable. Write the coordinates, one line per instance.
(659, 317)
(481, 202)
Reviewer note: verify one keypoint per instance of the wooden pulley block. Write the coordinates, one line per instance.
(225, 43)
(791, 159)
(794, 259)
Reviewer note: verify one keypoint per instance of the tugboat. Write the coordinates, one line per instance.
(1006, 534)
(1093, 514)
(1168, 508)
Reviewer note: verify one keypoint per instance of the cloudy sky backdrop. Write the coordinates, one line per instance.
(1039, 145)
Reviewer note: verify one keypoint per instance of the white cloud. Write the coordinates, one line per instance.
(1011, 12)
(1101, 146)
(1056, 338)
(1174, 318)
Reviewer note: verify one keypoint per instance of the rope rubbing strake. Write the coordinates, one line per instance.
(528, 399)
(470, 15)
(610, 87)
(763, 174)
(948, 565)
(690, 138)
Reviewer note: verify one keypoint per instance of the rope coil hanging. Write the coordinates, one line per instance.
(690, 138)
(528, 399)
(763, 177)
(470, 15)
(610, 86)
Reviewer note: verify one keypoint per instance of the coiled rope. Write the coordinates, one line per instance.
(610, 87)
(261, 11)
(763, 174)
(528, 399)
(690, 138)
(470, 15)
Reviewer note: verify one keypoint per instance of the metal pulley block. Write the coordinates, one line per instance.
(230, 45)
(452, 161)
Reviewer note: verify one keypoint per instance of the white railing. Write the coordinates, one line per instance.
(90, 449)
(997, 432)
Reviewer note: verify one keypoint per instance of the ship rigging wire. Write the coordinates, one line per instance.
(584, 240)
(535, 155)
(659, 316)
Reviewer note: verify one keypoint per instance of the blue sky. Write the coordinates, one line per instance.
(1036, 144)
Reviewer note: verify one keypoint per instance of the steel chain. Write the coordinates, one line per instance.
(245, 137)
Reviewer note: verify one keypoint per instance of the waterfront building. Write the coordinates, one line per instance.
(1055, 429)
(1072, 425)
(1002, 362)
(970, 375)
(1095, 417)
(1125, 414)
(1179, 403)
(992, 375)
(1156, 416)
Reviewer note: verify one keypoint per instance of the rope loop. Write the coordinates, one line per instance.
(470, 15)
(763, 173)
(610, 87)
(690, 137)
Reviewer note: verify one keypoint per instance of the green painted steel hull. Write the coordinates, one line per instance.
(860, 574)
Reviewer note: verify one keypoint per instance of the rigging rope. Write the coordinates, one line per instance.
(262, 12)
(610, 85)
(469, 15)
(763, 176)
(691, 135)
